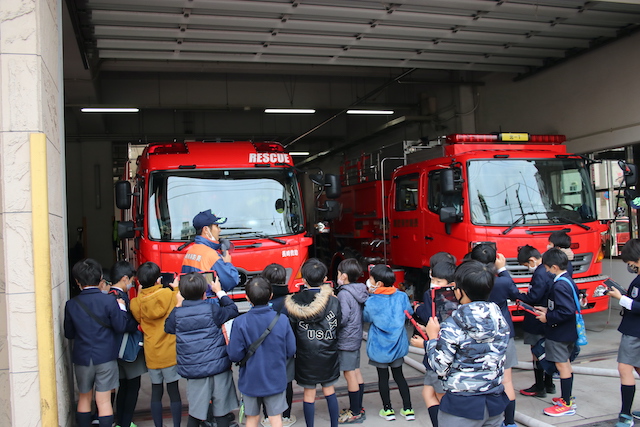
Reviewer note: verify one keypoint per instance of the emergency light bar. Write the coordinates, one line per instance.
(274, 147)
(168, 148)
(461, 138)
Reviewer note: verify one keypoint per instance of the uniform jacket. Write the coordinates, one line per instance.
(504, 288)
(561, 311)
(265, 373)
(352, 297)
(539, 288)
(200, 344)
(204, 256)
(387, 339)
(92, 341)
(630, 324)
(469, 355)
(151, 308)
(315, 319)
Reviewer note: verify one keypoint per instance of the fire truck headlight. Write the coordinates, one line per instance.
(599, 291)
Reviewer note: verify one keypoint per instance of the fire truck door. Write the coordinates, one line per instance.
(405, 226)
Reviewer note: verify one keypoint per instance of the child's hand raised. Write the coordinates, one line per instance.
(215, 285)
(433, 328)
(417, 341)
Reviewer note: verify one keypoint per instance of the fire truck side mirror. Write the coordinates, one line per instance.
(448, 215)
(332, 186)
(126, 230)
(448, 182)
(330, 210)
(123, 194)
(630, 173)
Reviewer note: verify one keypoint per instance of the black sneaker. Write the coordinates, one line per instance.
(550, 389)
(534, 391)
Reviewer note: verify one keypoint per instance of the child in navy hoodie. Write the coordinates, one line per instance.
(263, 378)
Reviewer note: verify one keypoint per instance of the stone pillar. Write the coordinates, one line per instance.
(30, 102)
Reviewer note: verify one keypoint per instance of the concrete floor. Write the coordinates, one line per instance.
(598, 398)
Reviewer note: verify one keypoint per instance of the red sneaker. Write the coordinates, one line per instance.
(558, 400)
(560, 409)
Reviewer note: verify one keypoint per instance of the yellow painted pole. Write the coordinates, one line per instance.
(42, 280)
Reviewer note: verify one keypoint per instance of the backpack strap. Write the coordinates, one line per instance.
(254, 346)
(575, 296)
(90, 313)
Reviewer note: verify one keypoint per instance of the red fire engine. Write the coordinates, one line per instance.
(253, 184)
(507, 189)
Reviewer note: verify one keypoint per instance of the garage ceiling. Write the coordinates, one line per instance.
(516, 36)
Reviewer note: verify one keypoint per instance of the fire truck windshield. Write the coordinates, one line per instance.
(262, 201)
(533, 191)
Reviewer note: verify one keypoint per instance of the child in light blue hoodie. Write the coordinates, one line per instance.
(387, 343)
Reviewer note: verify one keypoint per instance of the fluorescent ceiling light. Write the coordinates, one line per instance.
(369, 111)
(110, 110)
(290, 110)
(299, 153)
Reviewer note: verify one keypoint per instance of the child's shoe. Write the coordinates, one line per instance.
(560, 409)
(349, 418)
(534, 391)
(625, 420)
(387, 414)
(289, 421)
(558, 400)
(509, 425)
(363, 413)
(550, 388)
(408, 414)
(636, 414)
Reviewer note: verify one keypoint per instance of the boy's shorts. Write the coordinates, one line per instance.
(129, 370)
(398, 362)
(274, 405)
(327, 384)
(431, 379)
(349, 360)
(511, 355)
(531, 339)
(445, 419)
(220, 389)
(166, 375)
(629, 350)
(558, 352)
(103, 375)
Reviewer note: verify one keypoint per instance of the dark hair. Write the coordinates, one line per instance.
(193, 286)
(441, 257)
(383, 273)
(121, 269)
(555, 256)
(275, 274)
(443, 270)
(314, 272)
(148, 274)
(87, 272)
(526, 252)
(631, 251)
(560, 239)
(475, 279)
(258, 290)
(352, 268)
(484, 253)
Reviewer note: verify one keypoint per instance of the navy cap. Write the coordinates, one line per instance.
(206, 218)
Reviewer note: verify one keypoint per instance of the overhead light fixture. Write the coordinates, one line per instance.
(370, 112)
(289, 110)
(299, 153)
(110, 110)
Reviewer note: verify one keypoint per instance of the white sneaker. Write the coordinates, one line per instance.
(265, 422)
(289, 421)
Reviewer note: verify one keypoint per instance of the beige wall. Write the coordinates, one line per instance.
(30, 102)
(594, 99)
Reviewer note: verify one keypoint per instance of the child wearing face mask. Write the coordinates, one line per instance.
(387, 342)
(539, 288)
(122, 274)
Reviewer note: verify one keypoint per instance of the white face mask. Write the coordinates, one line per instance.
(129, 285)
(340, 282)
(372, 287)
(531, 269)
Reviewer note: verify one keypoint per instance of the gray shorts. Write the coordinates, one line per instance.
(274, 405)
(531, 339)
(449, 420)
(398, 362)
(129, 370)
(558, 352)
(349, 360)
(219, 389)
(629, 351)
(103, 375)
(166, 375)
(327, 384)
(511, 355)
(431, 379)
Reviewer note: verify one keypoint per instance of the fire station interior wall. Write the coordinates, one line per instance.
(592, 99)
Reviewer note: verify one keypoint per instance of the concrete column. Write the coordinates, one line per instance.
(30, 102)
